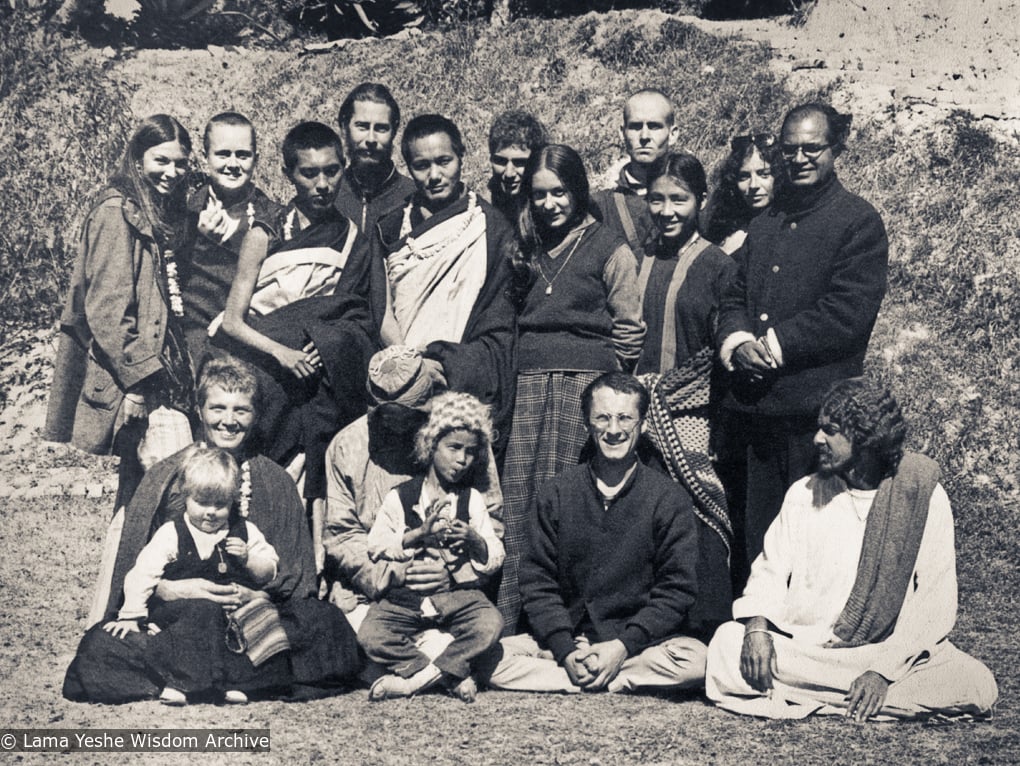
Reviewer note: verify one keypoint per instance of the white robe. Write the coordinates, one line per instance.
(801, 581)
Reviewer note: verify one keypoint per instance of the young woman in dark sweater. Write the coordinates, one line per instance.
(579, 315)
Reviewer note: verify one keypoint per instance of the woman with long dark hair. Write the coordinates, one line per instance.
(681, 278)
(579, 315)
(122, 381)
(749, 179)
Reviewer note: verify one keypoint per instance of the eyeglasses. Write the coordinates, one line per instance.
(739, 144)
(626, 422)
(811, 151)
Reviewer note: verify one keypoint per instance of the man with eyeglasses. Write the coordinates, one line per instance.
(796, 318)
(608, 576)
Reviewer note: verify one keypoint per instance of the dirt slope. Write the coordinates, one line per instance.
(911, 60)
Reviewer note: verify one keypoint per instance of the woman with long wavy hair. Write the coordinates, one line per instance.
(122, 381)
(748, 180)
(579, 315)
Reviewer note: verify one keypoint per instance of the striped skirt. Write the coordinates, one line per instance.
(547, 435)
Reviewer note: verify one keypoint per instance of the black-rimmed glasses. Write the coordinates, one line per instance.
(811, 151)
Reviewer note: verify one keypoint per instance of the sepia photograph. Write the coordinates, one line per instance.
(583, 382)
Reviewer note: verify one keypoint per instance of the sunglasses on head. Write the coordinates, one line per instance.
(760, 140)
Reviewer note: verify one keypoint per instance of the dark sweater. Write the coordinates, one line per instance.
(571, 328)
(813, 270)
(627, 572)
(364, 208)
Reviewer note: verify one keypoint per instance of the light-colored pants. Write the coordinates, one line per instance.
(814, 679)
(676, 663)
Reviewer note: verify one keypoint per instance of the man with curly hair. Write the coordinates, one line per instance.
(848, 607)
(514, 136)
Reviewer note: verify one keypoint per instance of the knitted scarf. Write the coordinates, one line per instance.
(892, 537)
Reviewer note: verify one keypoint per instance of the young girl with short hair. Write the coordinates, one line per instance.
(211, 541)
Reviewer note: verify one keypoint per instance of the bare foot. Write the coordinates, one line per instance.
(466, 690)
(393, 686)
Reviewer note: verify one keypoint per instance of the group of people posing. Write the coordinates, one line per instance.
(399, 434)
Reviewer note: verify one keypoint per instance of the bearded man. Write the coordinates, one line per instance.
(849, 605)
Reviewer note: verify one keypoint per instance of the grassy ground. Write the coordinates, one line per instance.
(45, 586)
(946, 340)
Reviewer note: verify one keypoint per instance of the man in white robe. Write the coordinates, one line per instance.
(849, 605)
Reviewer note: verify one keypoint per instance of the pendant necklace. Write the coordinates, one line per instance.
(549, 282)
(222, 566)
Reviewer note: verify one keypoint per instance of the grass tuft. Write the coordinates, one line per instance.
(63, 121)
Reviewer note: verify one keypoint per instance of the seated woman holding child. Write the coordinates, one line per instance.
(323, 651)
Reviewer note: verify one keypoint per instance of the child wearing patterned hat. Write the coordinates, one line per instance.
(437, 514)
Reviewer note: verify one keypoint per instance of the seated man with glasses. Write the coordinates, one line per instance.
(608, 575)
(796, 318)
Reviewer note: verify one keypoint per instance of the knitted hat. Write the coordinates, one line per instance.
(396, 375)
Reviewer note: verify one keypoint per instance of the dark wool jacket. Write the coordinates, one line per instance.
(484, 363)
(627, 572)
(814, 271)
(364, 208)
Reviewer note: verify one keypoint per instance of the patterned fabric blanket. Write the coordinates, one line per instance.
(678, 426)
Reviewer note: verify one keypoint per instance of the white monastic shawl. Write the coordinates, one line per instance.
(288, 276)
(435, 279)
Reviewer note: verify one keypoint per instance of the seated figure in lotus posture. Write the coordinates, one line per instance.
(849, 604)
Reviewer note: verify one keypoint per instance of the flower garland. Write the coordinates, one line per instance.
(173, 286)
(244, 501)
(288, 225)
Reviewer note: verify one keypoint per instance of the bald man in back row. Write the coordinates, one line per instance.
(649, 131)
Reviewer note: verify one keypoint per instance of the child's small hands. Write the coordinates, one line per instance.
(237, 548)
(458, 535)
(120, 628)
(435, 527)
